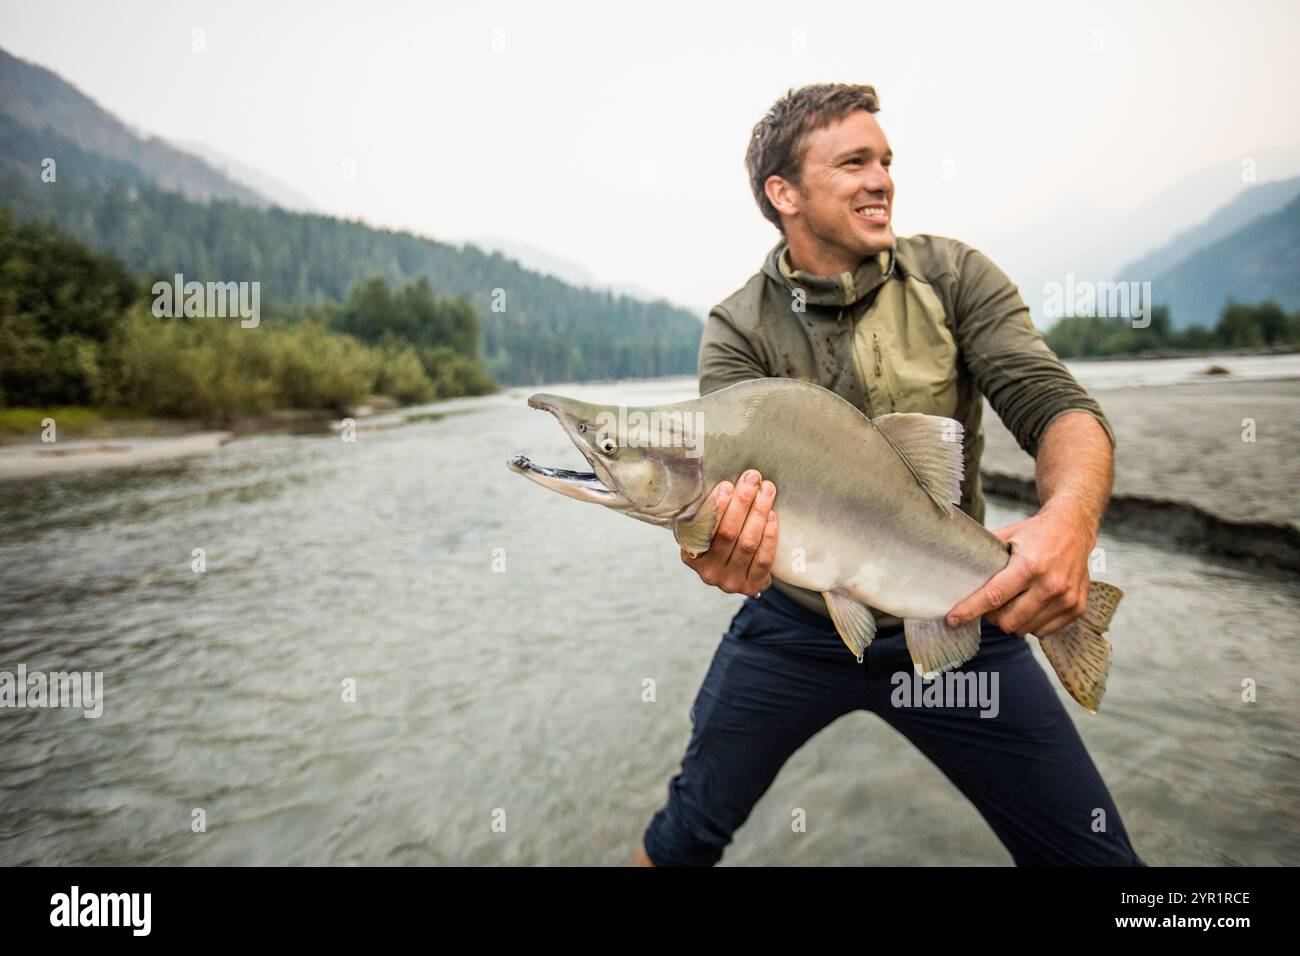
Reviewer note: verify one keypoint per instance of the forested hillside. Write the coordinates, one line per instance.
(160, 211)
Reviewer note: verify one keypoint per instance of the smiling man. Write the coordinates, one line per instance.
(917, 324)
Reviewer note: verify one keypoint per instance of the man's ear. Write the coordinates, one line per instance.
(782, 194)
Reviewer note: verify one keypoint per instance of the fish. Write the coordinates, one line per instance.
(868, 509)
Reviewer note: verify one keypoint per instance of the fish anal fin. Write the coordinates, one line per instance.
(935, 647)
(931, 446)
(853, 621)
(696, 534)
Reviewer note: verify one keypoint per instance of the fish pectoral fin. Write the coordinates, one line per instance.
(695, 534)
(931, 447)
(853, 621)
(935, 647)
(1079, 653)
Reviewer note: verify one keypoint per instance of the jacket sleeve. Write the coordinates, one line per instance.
(726, 355)
(1024, 380)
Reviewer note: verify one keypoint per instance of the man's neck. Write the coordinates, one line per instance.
(818, 260)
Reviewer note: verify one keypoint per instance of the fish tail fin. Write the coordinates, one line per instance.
(1079, 652)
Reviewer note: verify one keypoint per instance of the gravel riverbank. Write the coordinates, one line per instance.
(1182, 468)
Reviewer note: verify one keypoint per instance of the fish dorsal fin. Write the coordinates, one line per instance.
(931, 447)
(695, 535)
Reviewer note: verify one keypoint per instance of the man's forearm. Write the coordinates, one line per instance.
(1075, 468)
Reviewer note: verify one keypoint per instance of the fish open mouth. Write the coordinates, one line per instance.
(588, 479)
(593, 486)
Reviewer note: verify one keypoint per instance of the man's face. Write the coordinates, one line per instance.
(845, 195)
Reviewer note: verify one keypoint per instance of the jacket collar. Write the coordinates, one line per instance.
(843, 290)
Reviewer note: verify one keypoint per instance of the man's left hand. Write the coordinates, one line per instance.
(1045, 584)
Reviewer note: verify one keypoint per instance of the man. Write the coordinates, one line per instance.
(918, 324)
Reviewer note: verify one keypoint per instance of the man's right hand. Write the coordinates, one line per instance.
(740, 556)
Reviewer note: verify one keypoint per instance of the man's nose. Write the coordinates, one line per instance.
(878, 180)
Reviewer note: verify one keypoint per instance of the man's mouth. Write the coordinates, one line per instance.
(877, 214)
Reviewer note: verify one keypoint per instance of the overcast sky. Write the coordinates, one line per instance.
(613, 134)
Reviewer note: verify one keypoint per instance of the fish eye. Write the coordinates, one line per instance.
(607, 445)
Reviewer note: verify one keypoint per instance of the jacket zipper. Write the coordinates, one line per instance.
(857, 364)
(875, 348)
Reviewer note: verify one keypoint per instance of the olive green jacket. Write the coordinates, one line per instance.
(928, 326)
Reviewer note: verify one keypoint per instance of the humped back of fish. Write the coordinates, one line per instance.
(856, 515)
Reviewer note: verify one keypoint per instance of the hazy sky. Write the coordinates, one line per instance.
(613, 134)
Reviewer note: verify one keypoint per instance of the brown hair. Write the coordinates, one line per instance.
(776, 146)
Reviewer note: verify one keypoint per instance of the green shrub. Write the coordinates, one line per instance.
(402, 376)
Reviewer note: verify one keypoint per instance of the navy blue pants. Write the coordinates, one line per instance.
(781, 674)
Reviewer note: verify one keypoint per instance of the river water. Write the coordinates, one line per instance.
(498, 637)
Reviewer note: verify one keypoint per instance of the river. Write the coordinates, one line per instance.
(497, 638)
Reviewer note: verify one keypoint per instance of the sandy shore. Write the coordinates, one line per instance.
(27, 461)
(1180, 447)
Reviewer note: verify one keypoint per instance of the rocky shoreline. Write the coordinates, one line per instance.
(1168, 353)
(35, 460)
(1184, 471)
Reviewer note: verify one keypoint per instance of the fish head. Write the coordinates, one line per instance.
(645, 461)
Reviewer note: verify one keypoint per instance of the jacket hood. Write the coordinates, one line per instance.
(841, 291)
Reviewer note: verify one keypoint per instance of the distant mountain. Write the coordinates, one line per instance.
(1074, 237)
(162, 211)
(1250, 204)
(23, 152)
(40, 101)
(535, 328)
(1256, 263)
(541, 260)
(279, 193)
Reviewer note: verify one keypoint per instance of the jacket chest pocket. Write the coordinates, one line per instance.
(906, 354)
